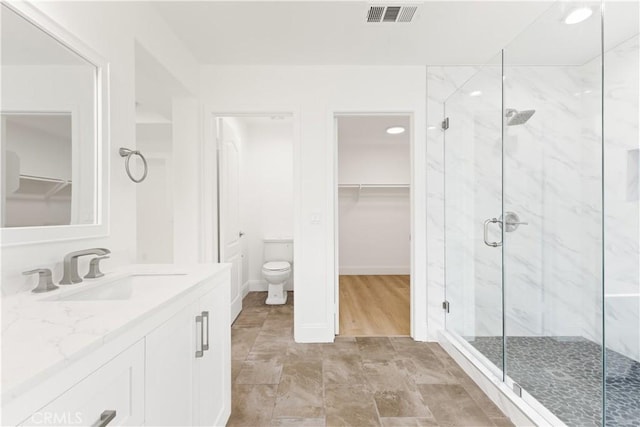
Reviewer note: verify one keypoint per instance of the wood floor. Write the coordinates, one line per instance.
(374, 306)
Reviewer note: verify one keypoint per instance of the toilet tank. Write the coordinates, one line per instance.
(278, 249)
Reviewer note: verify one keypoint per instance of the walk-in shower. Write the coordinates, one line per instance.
(542, 234)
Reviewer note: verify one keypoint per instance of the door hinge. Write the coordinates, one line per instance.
(445, 306)
(445, 124)
(517, 389)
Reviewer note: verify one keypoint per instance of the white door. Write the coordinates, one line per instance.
(230, 234)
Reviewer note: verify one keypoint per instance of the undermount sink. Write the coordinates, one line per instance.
(120, 289)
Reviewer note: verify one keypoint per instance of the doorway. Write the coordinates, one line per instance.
(255, 200)
(373, 225)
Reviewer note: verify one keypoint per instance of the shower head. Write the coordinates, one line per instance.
(515, 117)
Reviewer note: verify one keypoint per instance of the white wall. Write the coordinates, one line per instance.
(266, 195)
(374, 223)
(187, 236)
(94, 24)
(155, 209)
(314, 94)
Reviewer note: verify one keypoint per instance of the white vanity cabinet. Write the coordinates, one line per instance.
(113, 395)
(167, 362)
(213, 370)
(188, 366)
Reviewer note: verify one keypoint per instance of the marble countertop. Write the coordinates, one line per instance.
(41, 334)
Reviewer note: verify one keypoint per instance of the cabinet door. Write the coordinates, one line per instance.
(170, 355)
(213, 370)
(113, 395)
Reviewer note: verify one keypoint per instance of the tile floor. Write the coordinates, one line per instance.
(565, 375)
(353, 382)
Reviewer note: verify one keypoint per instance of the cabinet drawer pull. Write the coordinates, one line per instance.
(205, 345)
(105, 418)
(201, 351)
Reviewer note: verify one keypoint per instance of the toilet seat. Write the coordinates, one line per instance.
(276, 266)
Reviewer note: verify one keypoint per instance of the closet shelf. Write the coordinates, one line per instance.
(40, 187)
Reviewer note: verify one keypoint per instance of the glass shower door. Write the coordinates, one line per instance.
(473, 203)
(552, 184)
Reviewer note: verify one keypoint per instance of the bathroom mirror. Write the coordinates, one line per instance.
(52, 131)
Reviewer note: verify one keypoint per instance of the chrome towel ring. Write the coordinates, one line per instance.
(125, 152)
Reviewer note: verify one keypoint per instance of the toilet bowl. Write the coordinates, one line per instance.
(277, 267)
(276, 273)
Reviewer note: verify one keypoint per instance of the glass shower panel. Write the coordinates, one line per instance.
(553, 214)
(622, 214)
(473, 195)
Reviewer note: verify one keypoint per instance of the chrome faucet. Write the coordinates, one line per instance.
(70, 274)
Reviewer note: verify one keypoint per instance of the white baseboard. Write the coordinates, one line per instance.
(236, 307)
(374, 270)
(245, 289)
(263, 286)
(313, 333)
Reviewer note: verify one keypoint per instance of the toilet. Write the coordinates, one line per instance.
(276, 270)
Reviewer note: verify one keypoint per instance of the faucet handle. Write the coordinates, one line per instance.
(45, 284)
(94, 267)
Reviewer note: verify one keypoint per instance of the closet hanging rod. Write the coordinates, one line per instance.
(374, 185)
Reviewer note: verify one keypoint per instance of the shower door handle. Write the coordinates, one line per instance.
(486, 232)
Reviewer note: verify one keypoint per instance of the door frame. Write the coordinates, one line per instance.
(210, 219)
(416, 289)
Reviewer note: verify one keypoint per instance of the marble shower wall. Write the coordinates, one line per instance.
(442, 82)
(552, 179)
(552, 171)
(622, 192)
(472, 159)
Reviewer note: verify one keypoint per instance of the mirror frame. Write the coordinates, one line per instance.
(16, 236)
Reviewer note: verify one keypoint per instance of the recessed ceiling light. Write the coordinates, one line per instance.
(431, 127)
(395, 130)
(475, 93)
(578, 15)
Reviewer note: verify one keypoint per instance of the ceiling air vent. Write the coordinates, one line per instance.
(375, 13)
(391, 13)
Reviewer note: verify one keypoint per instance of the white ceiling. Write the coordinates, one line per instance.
(357, 130)
(335, 33)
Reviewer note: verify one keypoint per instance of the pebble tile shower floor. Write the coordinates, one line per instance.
(565, 375)
(373, 381)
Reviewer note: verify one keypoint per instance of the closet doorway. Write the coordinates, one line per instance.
(373, 224)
